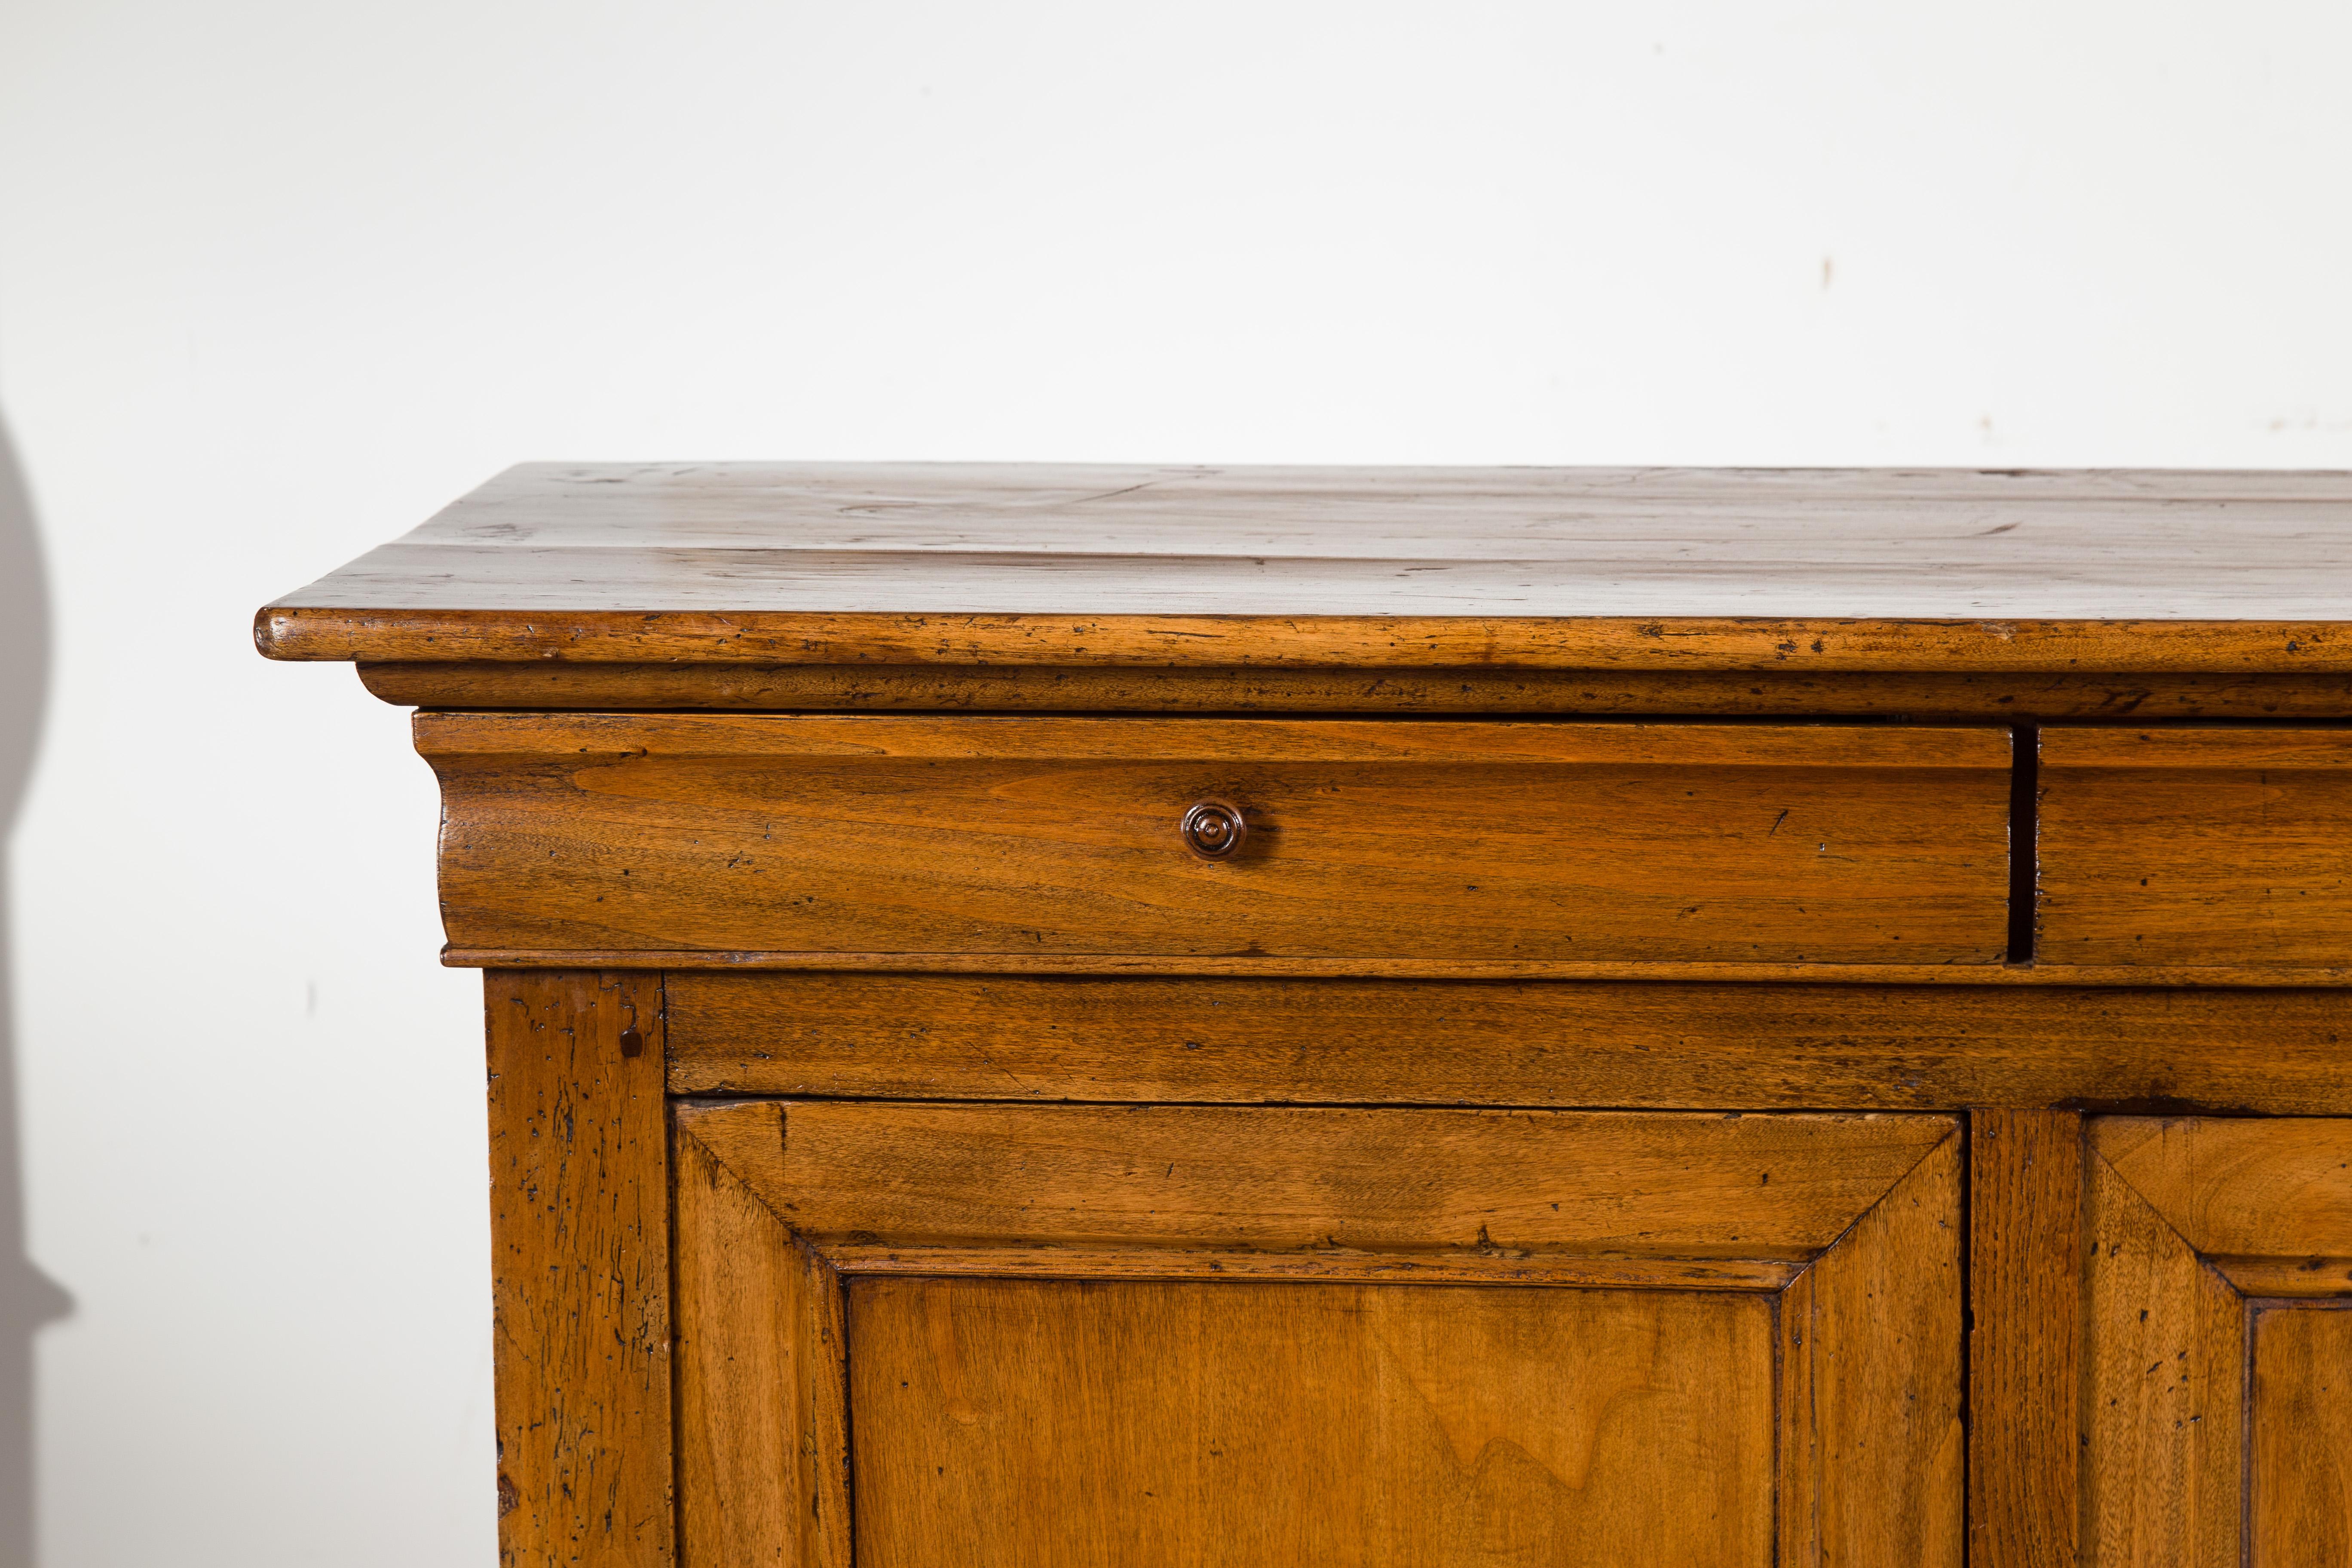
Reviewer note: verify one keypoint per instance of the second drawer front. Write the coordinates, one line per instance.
(1020, 836)
(2196, 846)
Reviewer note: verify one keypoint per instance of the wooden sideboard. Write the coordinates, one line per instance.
(1102, 1016)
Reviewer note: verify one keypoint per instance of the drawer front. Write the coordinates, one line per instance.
(1018, 836)
(2196, 846)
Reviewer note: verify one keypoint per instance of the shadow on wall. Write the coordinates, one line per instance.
(27, 1296)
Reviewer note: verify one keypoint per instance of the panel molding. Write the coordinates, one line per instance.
(1335, 1266)
(2316, 1277)
(1873, 1449)
(2239, 1187)
(1866, 1289)
(1485, 1196)
(762, 1401)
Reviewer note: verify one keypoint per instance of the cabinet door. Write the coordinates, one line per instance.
(2219, 1419)
(918, 1334)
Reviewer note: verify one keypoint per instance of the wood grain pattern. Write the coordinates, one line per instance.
(738, 1470)
(812, 739)
(2025, 1273)
(2305, 1275)
(1204, 635)
(1455, 1186)
(1879, 1319)
(2026, 977)
(999, 835)
(970, 1397)
(1663, 1046)
(2203, 1364)
(2163, 1456)
(1797, 1478)
(2302, 1439)
(580, 1233)
(2274, 1188)
(762, 1356)
(2265, 748)
(1566, 568)
(2196, 845)
(2224, 522)
(1122, 1206)
(1275, 1424)
(763, 1411)
(551, 684)
(1340, 1265)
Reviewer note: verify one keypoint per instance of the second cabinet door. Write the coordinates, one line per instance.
(917, 1334)
(2217, 1426)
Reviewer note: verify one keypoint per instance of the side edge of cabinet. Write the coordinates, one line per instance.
(580, 1240)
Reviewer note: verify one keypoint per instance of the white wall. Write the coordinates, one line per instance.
(277, 278)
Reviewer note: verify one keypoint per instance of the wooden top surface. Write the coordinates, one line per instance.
(1826, 569)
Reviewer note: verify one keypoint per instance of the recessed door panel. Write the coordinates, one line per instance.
(1061, 1424)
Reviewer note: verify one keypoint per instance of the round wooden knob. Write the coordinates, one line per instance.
(1213, 830)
